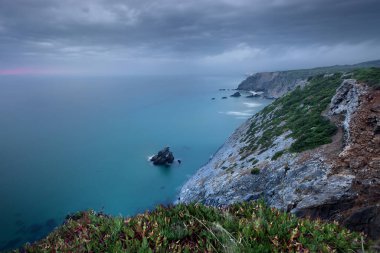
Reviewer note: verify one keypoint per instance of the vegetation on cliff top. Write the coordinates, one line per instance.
(299, 113)
(246, 227)
(370, 76)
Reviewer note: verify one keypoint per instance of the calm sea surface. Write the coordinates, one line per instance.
(69, 144)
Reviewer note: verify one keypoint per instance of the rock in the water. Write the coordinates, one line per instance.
(253, 96)
(224, 97)
(236, 95)
(165, 156)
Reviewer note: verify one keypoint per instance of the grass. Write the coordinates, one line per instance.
(245, 227)
(370, 76)
(298, 112)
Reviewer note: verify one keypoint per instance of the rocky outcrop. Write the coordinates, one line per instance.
(273, 84)
(345, 102)
(339, 181)
(236, 95)
(253, 96)
(164, 157)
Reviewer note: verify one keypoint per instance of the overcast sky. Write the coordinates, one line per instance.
(184, 36)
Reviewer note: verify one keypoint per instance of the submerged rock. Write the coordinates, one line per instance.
(165, 156)
(224, 97)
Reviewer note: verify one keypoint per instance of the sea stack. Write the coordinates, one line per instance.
(164, 157)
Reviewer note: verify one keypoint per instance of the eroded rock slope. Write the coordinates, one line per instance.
(314, 152)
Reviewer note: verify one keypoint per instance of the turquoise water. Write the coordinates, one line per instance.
(68, 144)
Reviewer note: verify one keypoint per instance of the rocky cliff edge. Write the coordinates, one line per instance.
(328, 171)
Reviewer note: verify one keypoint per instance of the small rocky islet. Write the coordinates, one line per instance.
(163, 157)
(236, 95)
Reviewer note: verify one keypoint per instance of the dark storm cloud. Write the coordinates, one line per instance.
(195, 34)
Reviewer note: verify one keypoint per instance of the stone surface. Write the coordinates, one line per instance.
(366, 219)
(346, 101)
(253, 96)
(236, 95)
(273, 84)
(164, 157)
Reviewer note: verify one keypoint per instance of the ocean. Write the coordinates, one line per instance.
(75, 143)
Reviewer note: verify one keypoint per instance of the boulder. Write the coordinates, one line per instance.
(236, 95)
(366, 219)
(164, 157)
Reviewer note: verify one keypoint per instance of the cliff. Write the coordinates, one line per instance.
(313, 152)
(275, 84)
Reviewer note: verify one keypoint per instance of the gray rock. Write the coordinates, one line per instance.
(236, 95)
(366, 219)
(345, 102)
(253, 196)
(164, 157)
(273, 84)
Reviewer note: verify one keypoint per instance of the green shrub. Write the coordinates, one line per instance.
(370, 76)
(277, 155)
(253, 161)
(245, 227)
(255, 171)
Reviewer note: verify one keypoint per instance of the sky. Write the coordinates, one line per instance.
(149, 37)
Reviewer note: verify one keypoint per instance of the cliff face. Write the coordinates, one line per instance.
(273, 84)
(293, 156)
(276, 84)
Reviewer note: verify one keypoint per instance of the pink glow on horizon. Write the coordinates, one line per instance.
(28, 71)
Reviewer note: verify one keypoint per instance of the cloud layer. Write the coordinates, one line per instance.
(199, 36)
